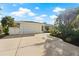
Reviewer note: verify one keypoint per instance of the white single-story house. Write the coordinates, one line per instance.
(27, 27)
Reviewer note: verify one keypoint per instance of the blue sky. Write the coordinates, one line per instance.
(38, 12)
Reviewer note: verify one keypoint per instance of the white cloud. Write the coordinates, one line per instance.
(43, 15)
(23, 11)
(31, 14)
(37, 8)
(58, 10)
(53, 19)
(39, 19)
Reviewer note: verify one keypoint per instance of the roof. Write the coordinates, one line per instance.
(33, 22)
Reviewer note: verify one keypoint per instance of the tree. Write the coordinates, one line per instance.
(67, 16)
(67, 26)
(46, 29)
(7, 22)
(75, 22)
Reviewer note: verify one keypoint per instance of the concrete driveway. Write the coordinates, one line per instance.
(23, 46)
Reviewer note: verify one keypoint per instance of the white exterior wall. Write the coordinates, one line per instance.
(26, 28)
(14, 30)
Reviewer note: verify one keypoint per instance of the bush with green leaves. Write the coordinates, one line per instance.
(54, 32)
(7, 22)
(61, 32)
(0, 31)
(67, 28)
(6, 30)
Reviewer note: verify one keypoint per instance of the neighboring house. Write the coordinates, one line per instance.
(27, 27)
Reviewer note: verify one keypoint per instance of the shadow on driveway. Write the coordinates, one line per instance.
(17, 36)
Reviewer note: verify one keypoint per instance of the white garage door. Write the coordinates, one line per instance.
(28, 31)
(14, 30)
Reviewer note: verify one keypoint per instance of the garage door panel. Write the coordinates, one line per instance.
(26, 30)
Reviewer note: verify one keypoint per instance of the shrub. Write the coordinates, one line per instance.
(67, 34)
(6, 30)
(67, 26)
(68, 39)
(54, 32)
(46, 29)
(0, 31)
